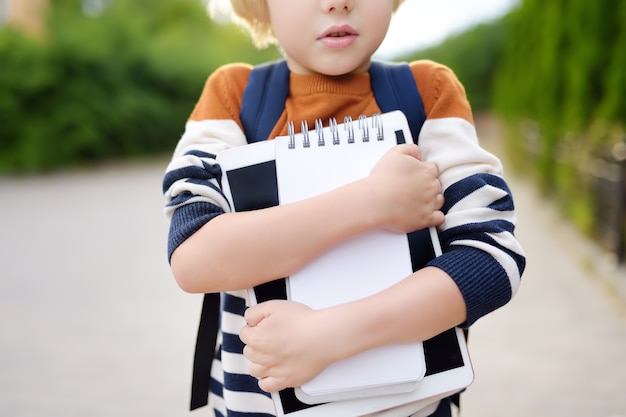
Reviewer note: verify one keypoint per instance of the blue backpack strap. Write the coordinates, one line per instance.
(264, 99)
(263, 103)
(393, 85)
(395, 89)
(206, 340)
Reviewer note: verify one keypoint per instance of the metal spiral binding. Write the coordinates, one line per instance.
(292, 135)
(348, 126)
(334, 130)
(364, 128)
(377, 123)
(319, 126)
(305, 134)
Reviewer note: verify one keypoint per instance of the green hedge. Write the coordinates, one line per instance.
(116, 84)
(474, 56)
(563, 67)
(561, 87)
(555, 73)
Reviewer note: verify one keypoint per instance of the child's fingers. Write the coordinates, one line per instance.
(411, 150)
(271, 384)
(258, 371)
(438, 217)
(439, 199)
(255, 314)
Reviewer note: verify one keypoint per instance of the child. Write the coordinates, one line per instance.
(328, 46)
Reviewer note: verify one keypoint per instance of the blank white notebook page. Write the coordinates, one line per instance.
(361, 266)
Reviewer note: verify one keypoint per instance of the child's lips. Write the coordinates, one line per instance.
(339, 36)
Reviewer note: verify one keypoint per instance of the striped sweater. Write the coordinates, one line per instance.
(481, 253)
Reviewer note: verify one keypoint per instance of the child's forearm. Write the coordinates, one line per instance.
(288, 344)
(252, 247)
(249, 248)
(420, 307)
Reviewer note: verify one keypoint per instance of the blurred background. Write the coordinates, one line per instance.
(114, 80)
(94, 95)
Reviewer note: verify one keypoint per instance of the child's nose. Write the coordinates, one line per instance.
(330, 6)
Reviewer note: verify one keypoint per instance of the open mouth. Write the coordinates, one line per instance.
(338, 34)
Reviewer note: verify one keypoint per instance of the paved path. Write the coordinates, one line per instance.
(92, 323)
(559, 348)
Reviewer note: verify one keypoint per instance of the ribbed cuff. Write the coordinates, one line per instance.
(482, 281)
(187, 220)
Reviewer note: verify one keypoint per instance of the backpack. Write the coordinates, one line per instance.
(263, 102)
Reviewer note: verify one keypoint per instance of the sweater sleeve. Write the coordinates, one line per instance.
(480, 251)
(191, 183)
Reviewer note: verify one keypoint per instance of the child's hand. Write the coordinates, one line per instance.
(283, 345)
(406, 191)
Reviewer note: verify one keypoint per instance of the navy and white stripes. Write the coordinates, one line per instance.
(481, 253)
(231, 383)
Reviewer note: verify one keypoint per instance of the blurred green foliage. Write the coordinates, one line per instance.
(574, 52)
(555, 74)
(108, 83)
(118, 79)
(561, 88)
(473, 55)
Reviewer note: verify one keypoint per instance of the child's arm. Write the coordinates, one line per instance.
(402, 194)
(288, 344)
(211, 249)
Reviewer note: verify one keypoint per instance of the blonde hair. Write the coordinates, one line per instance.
(253, 15)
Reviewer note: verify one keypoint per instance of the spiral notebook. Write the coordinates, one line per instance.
(251, 178)
(314, 162)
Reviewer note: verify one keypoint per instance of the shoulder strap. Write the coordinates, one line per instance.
(206, 341)
(395, 89)
(268, 87)
(264, 99)
(263, 102)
